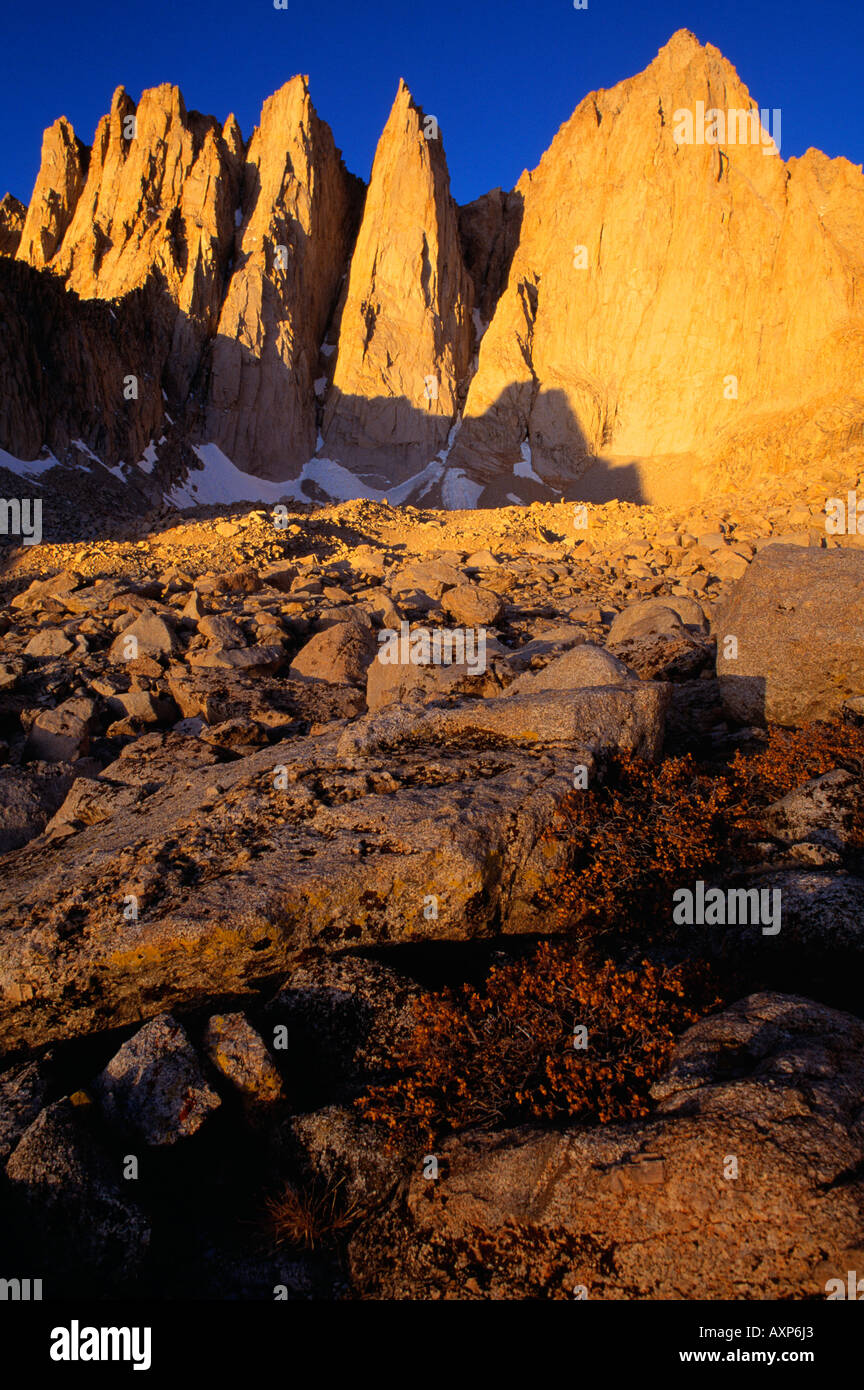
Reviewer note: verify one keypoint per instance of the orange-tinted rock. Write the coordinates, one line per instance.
(12, 215)
(298, 221)
(59, 185)
(406, 333)
(684, 314)
(653, 280)
(160, 193)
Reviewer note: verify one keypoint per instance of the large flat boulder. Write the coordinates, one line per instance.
(411, 825)
(201, 886)
(630, 718)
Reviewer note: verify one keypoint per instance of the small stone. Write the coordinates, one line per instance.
(256, 661)
(221, 631)
(155, 1086)
(238, 1052)
(58, 735)
(49, 642)
(473, 605)
(41, 589)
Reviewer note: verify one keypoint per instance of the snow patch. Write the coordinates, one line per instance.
(429, 484)
(333, 479)
(343, 486)
(523, 468)
(147, 461)
(451, 438)
(458, 492)
(27, 468)
(221, 481)
(87, 451)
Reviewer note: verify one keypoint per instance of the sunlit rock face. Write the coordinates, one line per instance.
(663, 304)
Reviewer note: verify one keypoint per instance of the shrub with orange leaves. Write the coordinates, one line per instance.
(791, 757)
(647, 830)
(633, 839)
(506, 1052)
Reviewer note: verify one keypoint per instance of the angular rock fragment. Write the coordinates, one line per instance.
(59, 735)
(237, 1051)
(29, 798)
(154, 1085)
(148, 635)
(473, 605)
(341, 655)
(49, 642)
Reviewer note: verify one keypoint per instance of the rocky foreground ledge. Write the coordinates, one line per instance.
(238, 847)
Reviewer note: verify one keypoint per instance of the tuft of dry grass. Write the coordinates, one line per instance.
(303, 1218)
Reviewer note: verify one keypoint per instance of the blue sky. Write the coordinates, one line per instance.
(501, 76)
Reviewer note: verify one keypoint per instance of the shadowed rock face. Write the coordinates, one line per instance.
(489, 232)
(587, 322)
(52, 342)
